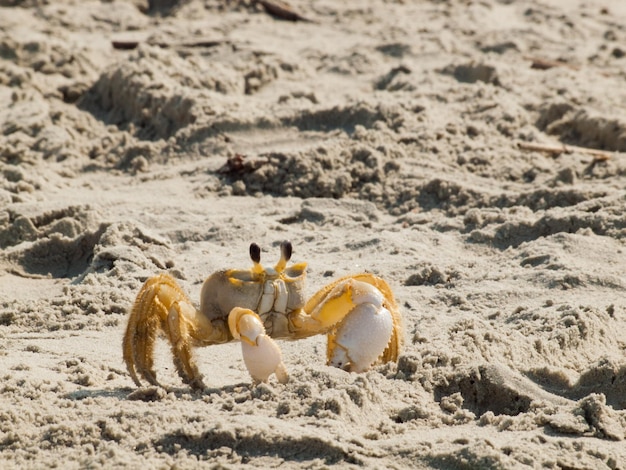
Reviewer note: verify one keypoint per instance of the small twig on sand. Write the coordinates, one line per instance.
(125, 45)
(129, 45)
(21, 273)
(239, 164)
(556, 150)
(282, 11)
(545, 64)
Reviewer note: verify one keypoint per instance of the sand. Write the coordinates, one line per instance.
(378, 136)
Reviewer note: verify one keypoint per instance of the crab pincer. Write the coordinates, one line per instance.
(261, 354)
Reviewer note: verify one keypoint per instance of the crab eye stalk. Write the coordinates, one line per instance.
(286, 250)
(285, 255)
(255, 253)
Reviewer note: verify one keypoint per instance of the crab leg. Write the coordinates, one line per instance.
(162, 306)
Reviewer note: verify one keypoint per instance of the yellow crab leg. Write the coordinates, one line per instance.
(162, 306)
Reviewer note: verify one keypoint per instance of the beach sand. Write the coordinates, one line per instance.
(377, 136)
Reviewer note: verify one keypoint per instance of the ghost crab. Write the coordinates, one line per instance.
(358, 314)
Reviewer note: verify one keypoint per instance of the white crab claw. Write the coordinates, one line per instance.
(362, 337)
(261, 354)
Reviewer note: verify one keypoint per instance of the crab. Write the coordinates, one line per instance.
(358, 313)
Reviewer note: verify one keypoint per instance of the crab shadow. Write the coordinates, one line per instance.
(246, 443)
(158, 393)
(252, 443)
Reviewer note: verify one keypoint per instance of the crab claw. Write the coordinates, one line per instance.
(361, 318)
(261, 354)
(362, 338)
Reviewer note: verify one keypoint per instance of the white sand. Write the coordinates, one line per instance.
(382, 137)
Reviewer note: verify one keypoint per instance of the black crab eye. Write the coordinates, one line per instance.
(255, 252)
(286, 250)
